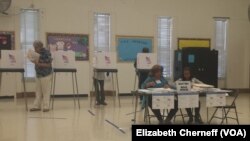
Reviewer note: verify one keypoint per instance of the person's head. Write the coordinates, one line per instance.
(156, 71)
(38, 45)
(145, 50)
(187, 75)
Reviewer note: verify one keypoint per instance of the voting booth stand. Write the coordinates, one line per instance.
(145, 61)
(105, 62)
(12, 61)
(186, 97)
(64, 62)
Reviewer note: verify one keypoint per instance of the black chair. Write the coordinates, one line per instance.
(183, 116)
(228, 108)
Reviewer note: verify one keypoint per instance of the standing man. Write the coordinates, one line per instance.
(99, 88)
(43, 69)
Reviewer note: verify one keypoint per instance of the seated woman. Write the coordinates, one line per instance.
(187, 76)
(156, 80)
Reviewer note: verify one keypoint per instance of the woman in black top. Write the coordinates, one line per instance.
(187, 76)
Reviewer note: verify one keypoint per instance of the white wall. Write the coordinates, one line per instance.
(192, 18)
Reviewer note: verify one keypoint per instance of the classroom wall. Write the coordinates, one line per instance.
(192, 19)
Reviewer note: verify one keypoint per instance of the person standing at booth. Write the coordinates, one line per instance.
(99, 88)
(43, 69)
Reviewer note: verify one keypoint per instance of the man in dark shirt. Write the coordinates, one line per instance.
(43, 69)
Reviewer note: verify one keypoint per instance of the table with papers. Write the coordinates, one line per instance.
(164, 98)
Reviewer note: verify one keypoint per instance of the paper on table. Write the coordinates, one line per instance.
(215, 100)
(218, 90)
(143, 90)
(160, 90)
(32, 55)
(162, 101)
(203, 85)
(188, 101)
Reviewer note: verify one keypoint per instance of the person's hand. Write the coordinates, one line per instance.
(150, 84)
(36, 63)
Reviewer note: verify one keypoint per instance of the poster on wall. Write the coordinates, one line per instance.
(128, 46)
(79, 43)
(7, 40)
(194, 43)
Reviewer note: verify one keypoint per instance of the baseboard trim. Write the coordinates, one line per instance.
(7, 97)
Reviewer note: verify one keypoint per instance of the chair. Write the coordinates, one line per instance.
(181, 115)
(227, 108)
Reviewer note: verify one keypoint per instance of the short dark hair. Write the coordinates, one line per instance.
(187, 69)
(155, 69)
(145, 50)
(38, 44)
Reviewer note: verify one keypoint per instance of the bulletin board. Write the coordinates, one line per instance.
(7, 40)
(193, 42)
(128, 46)
(79, 43)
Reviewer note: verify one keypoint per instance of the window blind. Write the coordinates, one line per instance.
(221, 44)
(29, 33)
(164, 44)
(102, 31)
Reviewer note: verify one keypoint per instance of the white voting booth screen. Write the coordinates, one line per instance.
(12, 59)
(146, 60)
(104, 60)
(64, 60)
(162, 101)
(186, 98)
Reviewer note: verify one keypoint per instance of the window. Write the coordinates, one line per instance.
(29, 33)
(102, 31)
(164, 44)
(221, 44)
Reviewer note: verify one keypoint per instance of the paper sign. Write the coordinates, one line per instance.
(163, 101)
(64, 59)
(191, 58)
(146, 60)
(188, 100)
(104, 60)
(215, 100)
(12, 59)
(183, 86)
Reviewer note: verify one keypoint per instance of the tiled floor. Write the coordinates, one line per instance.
(66, 123)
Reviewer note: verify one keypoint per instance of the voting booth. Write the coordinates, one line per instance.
(106, 62)
(12, 61)
(146, 60)
(186, 97)
(64, 62)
